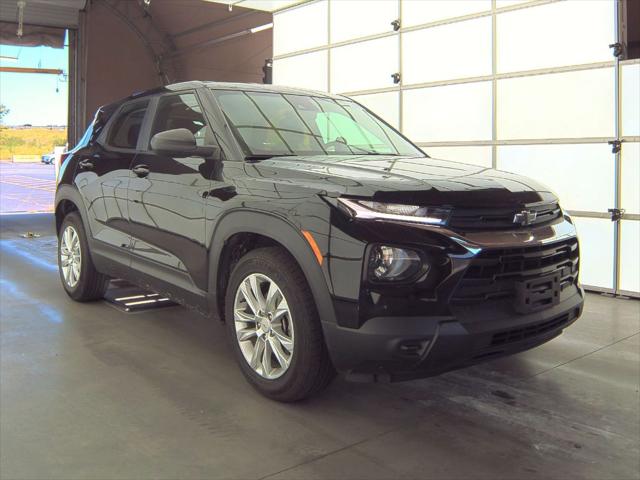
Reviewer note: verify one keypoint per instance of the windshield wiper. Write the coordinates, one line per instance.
(266, 156)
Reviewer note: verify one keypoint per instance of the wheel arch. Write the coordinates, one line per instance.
(264, 229)
(68, 200)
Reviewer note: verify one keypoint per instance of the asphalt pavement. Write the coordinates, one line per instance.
(26, 187)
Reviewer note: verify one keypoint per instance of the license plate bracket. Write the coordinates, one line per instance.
(537, 294)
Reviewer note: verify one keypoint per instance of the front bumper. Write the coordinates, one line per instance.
(409, 347)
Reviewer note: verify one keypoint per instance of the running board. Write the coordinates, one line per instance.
(129, 298)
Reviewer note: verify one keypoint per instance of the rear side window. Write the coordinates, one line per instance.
(128, 124)
(182, 111)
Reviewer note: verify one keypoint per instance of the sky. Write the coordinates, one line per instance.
(32, 97)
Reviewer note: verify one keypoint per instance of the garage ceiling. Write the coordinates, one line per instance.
(265, 5)
(49, 13)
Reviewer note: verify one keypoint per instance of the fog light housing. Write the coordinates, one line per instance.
(394, 264)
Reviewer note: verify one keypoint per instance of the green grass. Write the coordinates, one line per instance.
(30, 141)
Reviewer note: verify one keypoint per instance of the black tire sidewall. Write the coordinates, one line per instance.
(299, 307)
(75, 221)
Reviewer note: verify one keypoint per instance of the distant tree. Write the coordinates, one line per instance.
(4, 111)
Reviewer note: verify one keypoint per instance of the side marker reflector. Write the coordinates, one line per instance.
(314, 246)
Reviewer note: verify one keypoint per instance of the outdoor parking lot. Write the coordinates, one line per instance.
(26, 187)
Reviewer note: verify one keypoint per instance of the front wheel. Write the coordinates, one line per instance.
(79, 277)
(274, 327)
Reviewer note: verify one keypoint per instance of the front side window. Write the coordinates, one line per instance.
(127, 126)
(182, 111)
(267, 123)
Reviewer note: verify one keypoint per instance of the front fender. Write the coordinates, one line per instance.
(286, 234)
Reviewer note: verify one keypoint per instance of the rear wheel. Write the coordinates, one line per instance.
(274, 327)
(79, 277)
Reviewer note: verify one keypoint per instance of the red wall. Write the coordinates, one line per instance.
(118, 63)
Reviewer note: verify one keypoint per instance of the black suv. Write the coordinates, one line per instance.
(324, 239)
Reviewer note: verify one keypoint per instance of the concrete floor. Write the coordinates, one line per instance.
(89, 392)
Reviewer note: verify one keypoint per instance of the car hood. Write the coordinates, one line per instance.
(416, 180)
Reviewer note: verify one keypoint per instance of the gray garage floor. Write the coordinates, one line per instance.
(90, 392)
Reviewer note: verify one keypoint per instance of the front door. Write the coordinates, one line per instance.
(166, 200)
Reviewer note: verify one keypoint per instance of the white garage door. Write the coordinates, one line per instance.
(529, 87)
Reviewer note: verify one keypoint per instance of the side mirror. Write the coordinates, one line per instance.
(180, 142)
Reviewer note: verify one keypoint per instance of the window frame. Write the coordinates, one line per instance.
(105, 137)
(145, 133)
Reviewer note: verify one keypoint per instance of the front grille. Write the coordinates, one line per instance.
(495, 274)
(529, 331)
(500, 218)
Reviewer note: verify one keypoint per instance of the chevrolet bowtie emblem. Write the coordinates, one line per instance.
(525, 217)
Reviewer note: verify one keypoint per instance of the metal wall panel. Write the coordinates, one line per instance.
(582, 175)
(456, 112)
(301, 28)
(565, 41)
(560, 105)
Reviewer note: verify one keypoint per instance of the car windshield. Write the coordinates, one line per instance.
(273, 124)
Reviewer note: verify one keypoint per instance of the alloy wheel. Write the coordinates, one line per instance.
(263, 325)
(70, 256)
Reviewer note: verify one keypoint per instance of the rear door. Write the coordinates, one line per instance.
(103, 176)
(166, 199)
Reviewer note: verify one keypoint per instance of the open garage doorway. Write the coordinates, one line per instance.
(34, 99)
(162, 41)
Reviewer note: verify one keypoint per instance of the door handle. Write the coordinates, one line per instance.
(141, 170)
(85, 164)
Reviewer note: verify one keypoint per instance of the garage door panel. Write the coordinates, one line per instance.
(352, 19)
(555, 124)
(630, 256)
(301, 28)
(630, 96)
(305, 71)
(449, 113)
(581, 175)
(630, 176)
(574, 33)
(561, 105)
(385, 105)
(428, 53)
(474, 155)
(378, 58)
(596, 251)
(418, 12)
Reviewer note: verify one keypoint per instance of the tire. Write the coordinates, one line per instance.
(89, 284)
(309, 367)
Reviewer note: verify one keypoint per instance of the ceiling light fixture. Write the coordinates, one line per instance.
(261, 28)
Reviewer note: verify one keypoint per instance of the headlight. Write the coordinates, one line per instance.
(393, 264)
(394, 211)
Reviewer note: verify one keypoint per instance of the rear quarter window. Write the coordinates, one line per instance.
(125, 130)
